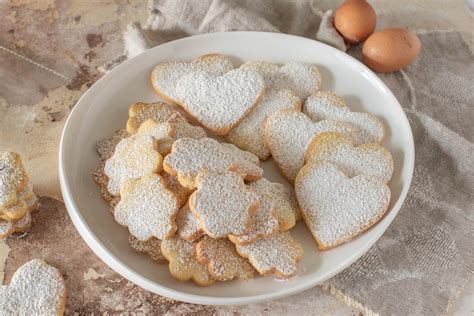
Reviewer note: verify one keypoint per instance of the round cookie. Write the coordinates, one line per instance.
(183, 264)
(337, 208)
(324, 105)
(223, 262)
(371, 160)
(277, 254)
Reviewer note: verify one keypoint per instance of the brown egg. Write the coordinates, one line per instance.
(390, 50)
(355, 20)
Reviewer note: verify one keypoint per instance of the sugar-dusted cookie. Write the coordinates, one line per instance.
(165, 75)
(163, 132)
(139, 112)
(36, 288)
(371, 160)
(13, 180)
(286, 207)
(188, 225)
(337, 208)
(220, 102)
(264, 223)
(102, 180)
(29, 197)
(246, 162)
(223, 203)
(172, 183)
(327, 105)
(8, 227)
(15, 212)
(147, 208)
(288, 134)
(186, 130)
(302, 78)
(152, 247)
(183, 264)
(248, 134)
(223, 262)
(134, 157)
(277, 254)
(106, 146)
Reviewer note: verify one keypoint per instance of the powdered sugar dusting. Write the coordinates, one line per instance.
(188, 226)
(165, 75)
(220, 102)
(336, 208)
(105, 147)
(12, 178)
(327, 105)
(174, 186)
(134, 157)
(183, 263)
(223, 204)
(286, 207)
(223, 262)
(163, 132)
(159, 112)
(303, 78)
(248, 135)
(246, 162)
(151, 247)
(277, 254)
(36, 289)
(147, 208)
(264, 223)
(288, 134)
(370, 160)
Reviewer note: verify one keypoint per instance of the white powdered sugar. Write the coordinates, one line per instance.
(147, 208)
(223, 204)
(12, 178)
(134, 157)
(336, 208)
(302, 78)
(188, 226)
(159, 112)
(163, 132)
(152, 247)
(327, 105)
(248, 134)
(246, 162)
(286, 207)
(105, 147)
(370, 160)
(36, 289)
(165, 76)
(264, 223)
(288, 134)
(276, 254)
(220, 102)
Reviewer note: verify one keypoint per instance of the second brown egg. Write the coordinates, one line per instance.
(355, 20)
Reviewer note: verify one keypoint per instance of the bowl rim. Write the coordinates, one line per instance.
(120, 267)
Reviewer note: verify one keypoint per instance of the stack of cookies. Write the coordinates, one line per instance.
(204, 206)
(17, 199)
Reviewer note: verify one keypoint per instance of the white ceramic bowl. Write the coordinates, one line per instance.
(103, 109)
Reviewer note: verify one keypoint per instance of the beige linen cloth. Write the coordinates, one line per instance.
(426, 256)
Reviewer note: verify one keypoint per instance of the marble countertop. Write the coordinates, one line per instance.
(49, 55)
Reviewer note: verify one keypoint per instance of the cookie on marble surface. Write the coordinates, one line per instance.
(183, 264)
(302, 78)
(324, 105)
(165, 75)
(152, 247)
(371, 160)
(288, 134)
(249, 134)
(134, 157)
(220, 102)
(222, 261)
(223, 204)
(337, 208)
(147, 207)
(160, 112)
(13, 181)
(277, 254)
(36, 288)
(8, 227)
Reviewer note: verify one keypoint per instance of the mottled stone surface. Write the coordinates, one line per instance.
(49, 54)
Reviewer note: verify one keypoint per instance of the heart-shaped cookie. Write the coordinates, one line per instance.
(288, 134)
(327, 105)
(302, 78)
(220, 102)
(165, 76)
(371, 160)
(36, 289)
(337, 208)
